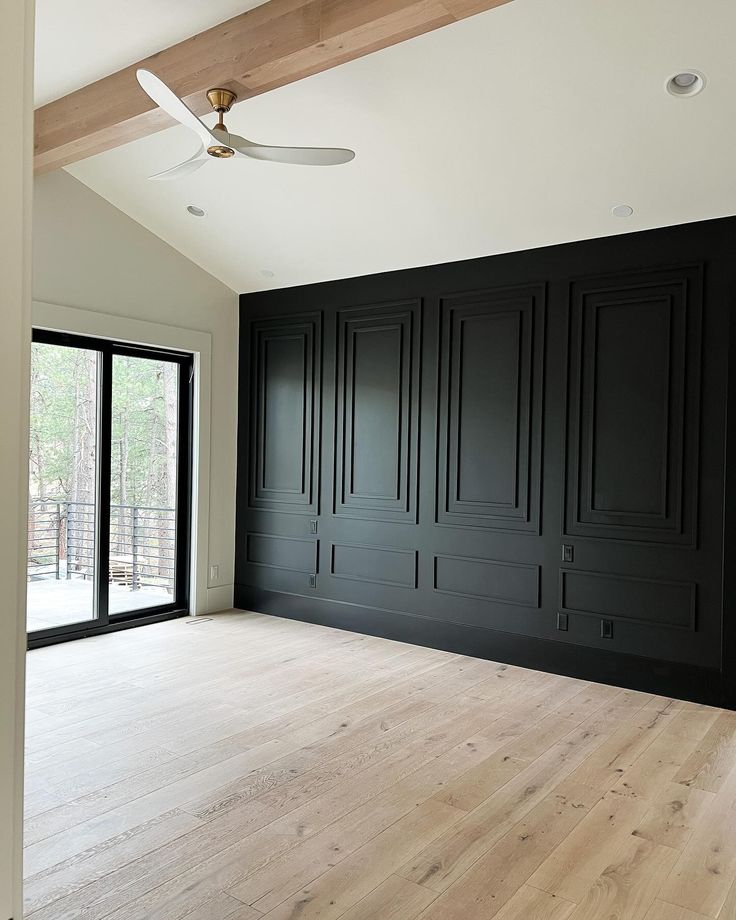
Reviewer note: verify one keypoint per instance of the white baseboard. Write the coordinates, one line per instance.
(219, 598)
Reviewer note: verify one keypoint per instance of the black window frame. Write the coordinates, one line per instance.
(179, 606)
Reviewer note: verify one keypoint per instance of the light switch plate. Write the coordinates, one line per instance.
(567, 552)
(214, 572)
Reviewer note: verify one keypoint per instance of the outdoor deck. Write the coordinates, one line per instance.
(59, 602)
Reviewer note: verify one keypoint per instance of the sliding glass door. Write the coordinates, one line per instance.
(62, 519)
(109, 510)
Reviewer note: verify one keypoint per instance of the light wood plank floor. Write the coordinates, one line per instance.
(241, 767)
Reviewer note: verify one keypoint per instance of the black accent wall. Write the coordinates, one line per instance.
(521, 457)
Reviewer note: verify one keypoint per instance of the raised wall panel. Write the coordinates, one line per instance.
(642, 600)
(377, 412)
(285, 408)
(489, 457)
(298, 554)
(487, 579)
(381, 565)
(634, 395)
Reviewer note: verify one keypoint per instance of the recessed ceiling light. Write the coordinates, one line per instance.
(267, 273)
(195, 211)
(685, 83)
(622, 210)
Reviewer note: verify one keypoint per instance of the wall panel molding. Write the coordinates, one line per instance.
(285, 385)
(490, 413)
(487, 579)
(377, 412)
(634, 399)
(382, 565)
(653, 601)
(481, 421)
(297, 554)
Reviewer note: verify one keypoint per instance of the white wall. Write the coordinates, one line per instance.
(92, 257)
(16, 80)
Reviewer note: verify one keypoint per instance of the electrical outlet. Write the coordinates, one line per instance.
(606, 629)
(312, 581)
(214, 572)
(313, 526)
(567, 552)
(562, 621)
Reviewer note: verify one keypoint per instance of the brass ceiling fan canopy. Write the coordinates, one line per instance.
(221, 100)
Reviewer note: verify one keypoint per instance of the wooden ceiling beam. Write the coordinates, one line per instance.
(276, 43)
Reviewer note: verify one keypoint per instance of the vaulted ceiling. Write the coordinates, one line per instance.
(79, 41)
(519, 127)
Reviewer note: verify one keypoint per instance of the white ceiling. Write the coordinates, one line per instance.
(519, 127)
(79, 41)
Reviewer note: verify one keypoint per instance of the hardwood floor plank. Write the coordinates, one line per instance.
(572, 868)
(499, 872)
(443, 863)
(728, 911)
(301, 771)
(708, 766)
(394, 899)
(314, 856)
(531, 904)
(661, 910)
(674, 815)
(627, 888)
(706, 869)
(343, 886)
(82, 868)
(319, 809)
(222, 907)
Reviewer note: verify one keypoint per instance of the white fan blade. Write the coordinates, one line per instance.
(303, 156)
(183, 169)
(172, 104)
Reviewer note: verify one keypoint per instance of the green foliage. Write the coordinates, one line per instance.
(63, 400)
(54, 372)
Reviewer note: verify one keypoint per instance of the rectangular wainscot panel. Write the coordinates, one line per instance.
(642, 600)
(377, 412)
(634, 394)
(285, 376)
(489, 456)
(381, 565)
(297, 554)
(281, 563)
(487, 579)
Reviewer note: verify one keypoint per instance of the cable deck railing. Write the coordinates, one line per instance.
(61, 543)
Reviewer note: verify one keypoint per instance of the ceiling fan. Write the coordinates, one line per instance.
(219, 143)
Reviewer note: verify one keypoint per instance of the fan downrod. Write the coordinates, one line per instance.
(221, 101)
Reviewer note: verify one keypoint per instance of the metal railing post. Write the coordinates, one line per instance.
(134, 578)
(58, 537)
(69, 540)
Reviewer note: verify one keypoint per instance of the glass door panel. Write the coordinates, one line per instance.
(109, 476)
(63, 458)
(143, 483)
